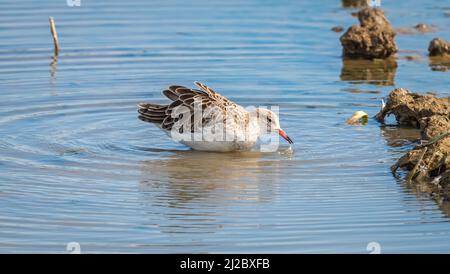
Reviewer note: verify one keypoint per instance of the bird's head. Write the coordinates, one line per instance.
(268, 122)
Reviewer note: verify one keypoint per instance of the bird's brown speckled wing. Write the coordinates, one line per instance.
(212, 104)
(219, 99)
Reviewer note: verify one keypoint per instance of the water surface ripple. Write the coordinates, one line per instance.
(77, 165)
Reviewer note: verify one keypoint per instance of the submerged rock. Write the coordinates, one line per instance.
(439, 47)
(428, 162)
(337, 29)
(374, 38)
(424, 27)
(405, 30)
(411, 57)
(417, 29)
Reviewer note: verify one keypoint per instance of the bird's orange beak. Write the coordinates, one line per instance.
(284, 135)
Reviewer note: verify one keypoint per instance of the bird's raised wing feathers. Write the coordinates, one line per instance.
(186, 102)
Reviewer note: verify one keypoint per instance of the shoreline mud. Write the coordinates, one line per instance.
(428, 163)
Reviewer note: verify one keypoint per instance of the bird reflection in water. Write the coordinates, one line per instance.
(196, 191)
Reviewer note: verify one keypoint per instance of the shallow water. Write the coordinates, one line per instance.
(76, 165)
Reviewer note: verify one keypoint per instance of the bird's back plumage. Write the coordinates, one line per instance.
(212, 107)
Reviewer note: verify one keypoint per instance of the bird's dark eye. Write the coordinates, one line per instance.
(269, 124)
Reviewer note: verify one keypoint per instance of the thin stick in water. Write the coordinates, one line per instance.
(54, 34)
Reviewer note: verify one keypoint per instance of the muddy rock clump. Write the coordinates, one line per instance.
(439, 47)
(373, 38)
(429, 162)
(439, 55)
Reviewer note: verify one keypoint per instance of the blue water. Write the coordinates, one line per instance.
(76, 165)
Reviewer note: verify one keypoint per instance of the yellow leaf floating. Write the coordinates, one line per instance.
(359, 117)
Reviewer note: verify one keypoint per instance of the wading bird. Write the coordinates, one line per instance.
(205, 120)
